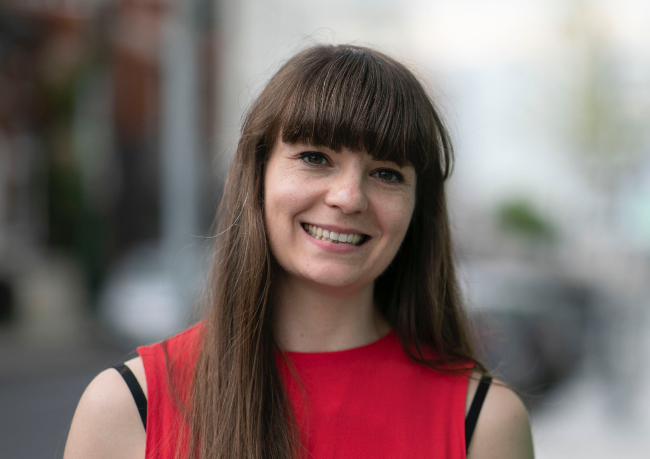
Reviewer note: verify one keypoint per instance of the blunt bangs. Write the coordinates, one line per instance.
(361, 100)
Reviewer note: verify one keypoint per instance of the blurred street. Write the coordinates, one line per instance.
(39, 390)
(580, 419)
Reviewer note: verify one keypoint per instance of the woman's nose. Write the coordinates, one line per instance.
(346, 191)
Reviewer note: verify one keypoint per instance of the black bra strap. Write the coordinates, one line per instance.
(136, 391)
(475, 408)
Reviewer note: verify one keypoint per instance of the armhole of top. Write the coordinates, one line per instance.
(475, 408)
(136, 391)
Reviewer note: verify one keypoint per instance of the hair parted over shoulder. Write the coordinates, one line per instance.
(332, 96)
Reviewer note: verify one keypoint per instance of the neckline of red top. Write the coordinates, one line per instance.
(356, 352)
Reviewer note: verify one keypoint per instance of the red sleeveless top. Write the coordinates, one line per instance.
(367, 402)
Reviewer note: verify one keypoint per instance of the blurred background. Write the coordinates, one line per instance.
(118, 119)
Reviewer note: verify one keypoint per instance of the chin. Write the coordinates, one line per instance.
(338, 281)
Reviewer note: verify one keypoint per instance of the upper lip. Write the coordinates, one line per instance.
(336, 229)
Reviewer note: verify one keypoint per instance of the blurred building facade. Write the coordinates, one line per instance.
(89, 95)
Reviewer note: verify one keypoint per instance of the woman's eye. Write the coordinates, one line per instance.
(388, 175)
(315, 159)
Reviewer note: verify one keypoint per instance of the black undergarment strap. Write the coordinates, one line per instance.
(475, 408)
(136, 391)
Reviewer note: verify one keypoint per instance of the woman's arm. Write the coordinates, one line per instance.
(106, 423)
(502, 430)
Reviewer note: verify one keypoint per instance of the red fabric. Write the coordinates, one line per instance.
(367, 402)
(163, 417)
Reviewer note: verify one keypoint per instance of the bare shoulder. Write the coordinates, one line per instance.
(503, 429)
(106, 423)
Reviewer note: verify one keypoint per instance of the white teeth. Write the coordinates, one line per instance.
(325, 235)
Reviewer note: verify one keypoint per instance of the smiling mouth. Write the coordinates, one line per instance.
(325, 235)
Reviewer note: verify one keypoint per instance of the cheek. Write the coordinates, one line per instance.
(396, 219)
(275, 214)
(284, 198)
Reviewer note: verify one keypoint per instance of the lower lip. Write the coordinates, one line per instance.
(341, 247)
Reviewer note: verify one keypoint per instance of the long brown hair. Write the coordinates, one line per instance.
(333, 96)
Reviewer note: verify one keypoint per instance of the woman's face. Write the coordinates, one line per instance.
(313, 195)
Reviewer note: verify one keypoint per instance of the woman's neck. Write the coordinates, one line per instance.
(312, 318)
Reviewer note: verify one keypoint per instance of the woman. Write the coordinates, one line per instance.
(333, 325)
